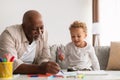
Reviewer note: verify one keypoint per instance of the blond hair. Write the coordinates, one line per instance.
(78, 24)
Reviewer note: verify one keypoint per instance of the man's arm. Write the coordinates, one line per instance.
(7, 45)
(45, 52)
(28, 69)
(45, 67)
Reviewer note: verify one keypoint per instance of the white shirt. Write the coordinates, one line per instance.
(29, 55)
(81, 57)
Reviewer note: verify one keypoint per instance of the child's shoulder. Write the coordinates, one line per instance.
(69, 44)
(89, 46)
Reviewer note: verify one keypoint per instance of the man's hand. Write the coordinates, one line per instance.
(45, 67)
(49, 67)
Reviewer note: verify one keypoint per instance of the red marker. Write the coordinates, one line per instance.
(12, 59)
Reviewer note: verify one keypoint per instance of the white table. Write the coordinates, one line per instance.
(107, 75)
(110, 75)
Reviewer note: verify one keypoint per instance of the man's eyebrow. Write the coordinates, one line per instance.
(36, 27)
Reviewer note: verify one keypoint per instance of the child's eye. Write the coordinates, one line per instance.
(79, 36)
(73, 36)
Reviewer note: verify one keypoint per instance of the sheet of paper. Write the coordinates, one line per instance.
(101, 72)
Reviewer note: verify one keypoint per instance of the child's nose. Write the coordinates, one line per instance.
(76, 39)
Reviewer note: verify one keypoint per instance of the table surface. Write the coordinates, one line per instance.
(88, 75)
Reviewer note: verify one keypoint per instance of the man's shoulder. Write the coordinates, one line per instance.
(14, 27)
(11, 33)
(13, 30)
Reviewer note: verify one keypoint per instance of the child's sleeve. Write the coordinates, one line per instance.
(67, 51)
(94, 59)
(63, 64)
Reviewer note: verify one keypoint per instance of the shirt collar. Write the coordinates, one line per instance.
(24, 39)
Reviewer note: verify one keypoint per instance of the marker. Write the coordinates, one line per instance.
(33, 75)
(62, 72)
(48, 74)
(1, 60)
(50, 78)
(60, 76)
(12, 59)
(81, 76)
(4, 60)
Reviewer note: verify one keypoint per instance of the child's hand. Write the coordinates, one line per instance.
(60, 54)
(61, 57)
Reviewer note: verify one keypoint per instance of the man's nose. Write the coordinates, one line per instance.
(39, 31)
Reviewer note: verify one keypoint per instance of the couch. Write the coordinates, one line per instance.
(102, 53)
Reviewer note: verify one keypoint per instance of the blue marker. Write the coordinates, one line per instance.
(34, 76)
(50, 78)
(62, 72)
(1, 60)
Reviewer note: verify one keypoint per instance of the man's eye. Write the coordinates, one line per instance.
(34, 29)
(41, 27)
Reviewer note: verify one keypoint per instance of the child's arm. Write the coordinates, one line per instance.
(63, 55)
(60, 55)
(94, 59)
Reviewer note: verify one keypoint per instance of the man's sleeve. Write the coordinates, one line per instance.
(7, 45)
(45, 57)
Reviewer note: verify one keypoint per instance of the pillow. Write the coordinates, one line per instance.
(114, 56)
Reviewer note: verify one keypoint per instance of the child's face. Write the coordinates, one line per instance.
(77, 35)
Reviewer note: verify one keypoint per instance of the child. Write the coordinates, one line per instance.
(79, 54)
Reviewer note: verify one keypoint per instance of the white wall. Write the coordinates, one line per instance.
(57, 15)
(109, 21)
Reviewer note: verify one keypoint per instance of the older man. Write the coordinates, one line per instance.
(28, 43)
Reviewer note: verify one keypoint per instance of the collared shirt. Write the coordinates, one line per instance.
(81, 58)
(29, 55)
(14, 41)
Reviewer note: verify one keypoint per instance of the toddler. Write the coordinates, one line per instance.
(79, 54)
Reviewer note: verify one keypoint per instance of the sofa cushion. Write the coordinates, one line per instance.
(114, 58)
(54, 54)
(102, 53)
(53, 50)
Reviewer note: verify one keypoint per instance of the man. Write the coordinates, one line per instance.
(28, 43)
